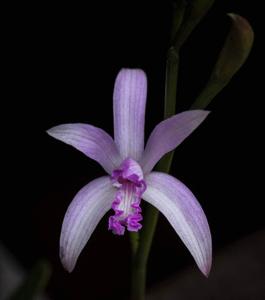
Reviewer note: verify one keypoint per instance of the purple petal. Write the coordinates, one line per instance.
(92, 141)
(168, 134)
(129, 112)
(184, 213)
(82, 216)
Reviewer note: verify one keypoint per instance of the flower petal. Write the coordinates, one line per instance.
(129, 101)
(184, 213)
(82, 216)
(168, 134)
(92, 141)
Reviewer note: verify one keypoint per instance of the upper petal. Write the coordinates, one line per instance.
(92, 141)
(168, 134)
(82, 216)
(129, 101)
(184, 213)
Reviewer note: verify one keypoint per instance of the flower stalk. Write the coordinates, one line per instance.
(141, 243)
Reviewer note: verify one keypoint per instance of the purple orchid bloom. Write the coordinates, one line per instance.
(130, 178)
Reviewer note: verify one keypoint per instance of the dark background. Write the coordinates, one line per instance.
(62, 62)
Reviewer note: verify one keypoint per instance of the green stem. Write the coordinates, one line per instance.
(171, 82)
(139, 261)
(138, 281)
(134, 239)
(194, 12)
(141, 248)
(178, 9)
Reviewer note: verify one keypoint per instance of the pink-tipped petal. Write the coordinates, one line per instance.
(82, 216)
(168, 134)
(129, 101)
(184, 213)
(92, 141)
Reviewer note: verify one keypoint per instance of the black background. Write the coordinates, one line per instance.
(62, 62)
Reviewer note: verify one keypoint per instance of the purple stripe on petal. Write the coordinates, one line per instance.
(168, 134)
(184, 213)
(129, 101)
(92, 141)
(82, 216)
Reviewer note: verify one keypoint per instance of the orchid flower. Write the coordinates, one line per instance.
(130, 177)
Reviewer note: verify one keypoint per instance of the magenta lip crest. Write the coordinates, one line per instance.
(128, 180)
